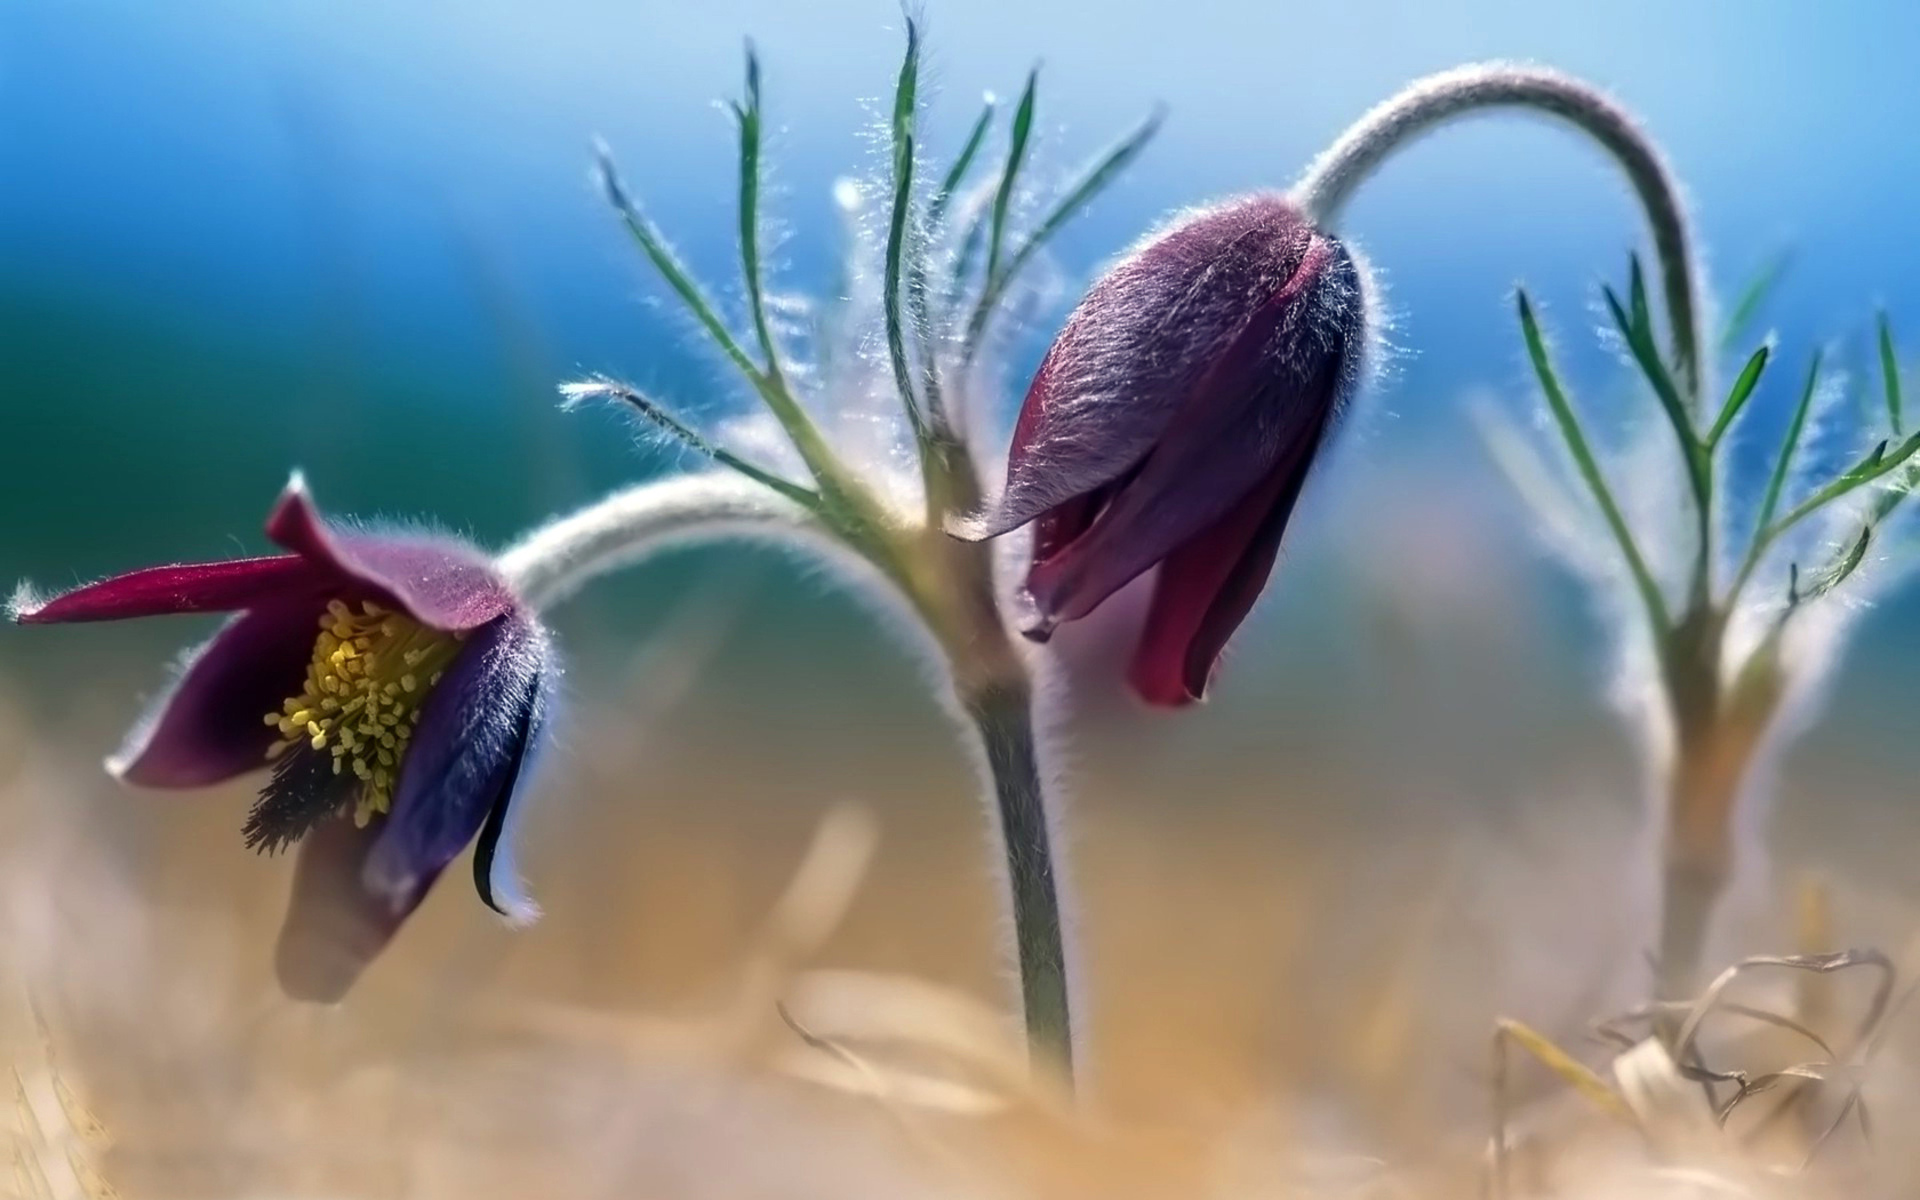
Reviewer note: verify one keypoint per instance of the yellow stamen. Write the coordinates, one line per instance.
(362, 695)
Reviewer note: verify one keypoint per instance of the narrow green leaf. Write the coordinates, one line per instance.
(919, 306)
(1737, 398)
(1836, 572)
(1637, 294)
(1101, 172)
(1790, 444)
(1016, 156)
(1890, 373)
(686, 434)
(1589, 468)
(897, 228)
(799, 427)
(1847, 566)
(748, 117)
(1763, 528)
(1877, 463)
(1740, 319)
(1639, 338)
(668, 264)
(957, 173)
(965, 256)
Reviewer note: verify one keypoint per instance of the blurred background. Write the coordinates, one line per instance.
(360, 239)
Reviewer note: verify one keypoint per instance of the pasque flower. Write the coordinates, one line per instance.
(1172, 424)
(393, 685)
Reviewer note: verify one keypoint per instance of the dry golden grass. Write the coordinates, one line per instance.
(1278, 1004)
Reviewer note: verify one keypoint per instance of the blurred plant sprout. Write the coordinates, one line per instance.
(1724, 672)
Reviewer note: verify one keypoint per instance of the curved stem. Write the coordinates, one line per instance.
(1428, 103)
(556, 560)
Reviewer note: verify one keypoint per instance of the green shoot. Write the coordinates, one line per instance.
(1638, 332)
(1878, 462)
(1747, 307)
(1589, 468)
(692, 438)
(1770, 502)
(957, 174)
(1016, 157)
(1738, 397)
(918, 307)
(748, 117)
(1890, 375)
(897, 229)
(772, 390)
(1104, 169)
(668, 264)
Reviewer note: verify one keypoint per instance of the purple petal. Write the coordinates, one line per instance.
(178, 588)
(460, 771)
(1206, 588)
(1138, 347)
(439, 581)
(210, 726)
(1266, 401)
(334, 927)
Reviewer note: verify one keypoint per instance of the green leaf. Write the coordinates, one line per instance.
(1016, 157)
(1789, 445)
(1101, 172)
(965, 256)
(957, 174)
(1763, 529)
(1583, 459)
(665, 420)
(1836, 575)
(1879, 461)
(748, 117)
(655, 247)
(1638, 333)
(1752, 297)
(1737, 398)
(1890, 373)
(897, 231)
(793, 419)
(919, 308)
(1637, 293)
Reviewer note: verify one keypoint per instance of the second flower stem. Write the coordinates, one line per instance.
(1438, 99)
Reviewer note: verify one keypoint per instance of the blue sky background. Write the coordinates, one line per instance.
(240, 236)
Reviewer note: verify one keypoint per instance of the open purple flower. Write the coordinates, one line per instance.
(395, 687)
(1172, 424)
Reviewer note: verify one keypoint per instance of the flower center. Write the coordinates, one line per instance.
(369, 672)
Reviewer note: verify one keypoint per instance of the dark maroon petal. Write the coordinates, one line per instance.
(474, 734)
(496, 872)
(1263, 403)
(1206, 588)
(334, 927)
(211, 725)
(439, 581)
(1138, 346)
(177, 588)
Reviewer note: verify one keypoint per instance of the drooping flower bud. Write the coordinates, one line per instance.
(1172, 424)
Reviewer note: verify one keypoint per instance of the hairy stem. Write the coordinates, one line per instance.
(1003, 715)
(623, 529)
(1428, 103)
